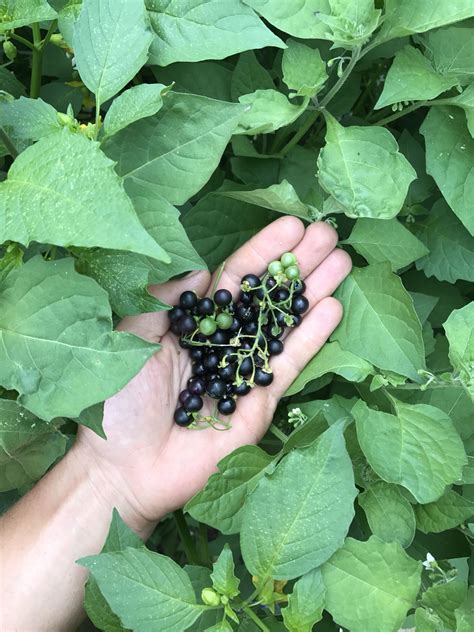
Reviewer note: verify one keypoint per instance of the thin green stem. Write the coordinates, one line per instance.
(278, 433)
(310, 121)
(22, 40)
(9, 144)
(185, 537)
(258, 622)
(404, 112)
(52, 28)
(37, 62)
(203, 546)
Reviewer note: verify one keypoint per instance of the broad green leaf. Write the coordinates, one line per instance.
(29, 119)
(402, 17)
(423, 304)
(267, 111)
(200, 577)
(450, 254)
(351, 23)
(300, 529)
(371, 585)
(451, 51)
(422, 188)
(465, 100)
(16, 13)
(145, 589)
(305, 603)
(460, 333)
(92, 210)
(178, 149)
(223, 626)
(281, 198)
(67, 18)
(379, 240)
(412, 78)
(249, 76)
(332, 359)
(468, 472)
(353, 163)
(418, 447)
(60, 96)
(427, 621)
(390, 337)
(304, 71)
(58, 348)
(206, 78)
(193, 30)
(223, 577)
(444, 599)
(28, 446)
(103, 31)
(220, 504)
(445, 513)
(134, 104)
(296, 17)
(465, 613)
(449, 159)
(9, 83)
(389, 514)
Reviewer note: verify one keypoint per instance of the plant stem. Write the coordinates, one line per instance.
(278, 433)
(203, 546)
(52, 28)
(249, 612)
(397, 115)
(37, 62)
(22, 40)
(9, 144)
(185, 537)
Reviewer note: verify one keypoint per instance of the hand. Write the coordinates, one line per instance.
(157, 466)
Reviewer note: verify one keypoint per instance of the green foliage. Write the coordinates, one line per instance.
(166, 135)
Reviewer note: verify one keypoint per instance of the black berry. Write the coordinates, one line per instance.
(216, 388)
(196, 386)
(182, 417)
(188, 300)
(299, 304)
(222, 298)
(275, 347)
(193, 403)
(187, 324)
(226, 406)
(262, 378)
(206, 307)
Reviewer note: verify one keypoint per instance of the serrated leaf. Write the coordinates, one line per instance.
(220, 504)
(223, 577)
(450, 247)
(58, 348)
(92, 210)
(460, 333)
(305, 603)
(389, 514)
(104, 29)
(353, 163)
(371, 585)
(451, 52)
(411, 77)
(249, 76)
(444, 599)
(28, 446)
(391, 336)
(281, 198)
(134, 104)
(194, 30)
(298, 18)
(178, 149)
(144, 589)
(29, 119)
(278, 542)
(267, 111)
(16, 13)
(449, 159)
(304, 71)
(379, 240)
(445, 513)
(418, 447)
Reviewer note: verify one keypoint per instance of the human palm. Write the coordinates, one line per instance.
(155, 463)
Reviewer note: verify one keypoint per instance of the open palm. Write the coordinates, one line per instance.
(157, 465)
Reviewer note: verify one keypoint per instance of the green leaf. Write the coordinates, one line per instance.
(449, 158)
(447, 512)
(460, 334)
(58, 348)
(220, 504)
(178, 149)
(105, 29)
(60, 96)
(353, 163)
(427, 621)
(28, 446)
(93, 210)
(193, 30)
(206, 78)
(200, 577)
(423, 304)
(351, 23)
(465, 613)
(269, 110)
(305, 603)
(277, 542)
(412, 78)
(418, 447)
(444, 599)
(29, 119)
(296, 17)
(379, 240)
(451, 51)
(223, 577)
(16, 13)
(9, 83)
(450, 247)
(134, 104)
(304, 71)
(249, 76)
(371, 585)
(145, 589)
(389, 514)
(422, 188)
(67, 18)
(332, 359)
(466, 102)
(281, 198)
(391, 336)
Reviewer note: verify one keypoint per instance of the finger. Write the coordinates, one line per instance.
(327, 277)
(152, 326)
(319, 240)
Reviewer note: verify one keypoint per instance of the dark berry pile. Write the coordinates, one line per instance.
(230, 342)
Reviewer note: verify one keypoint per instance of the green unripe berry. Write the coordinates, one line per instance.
(210, 597)
(10, 50)
(207, 326)
(224, 320)
(275, 267)
(288, 259)
(65, 119)
(292, 272)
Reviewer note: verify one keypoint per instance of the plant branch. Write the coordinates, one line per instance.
(22, 40)
(258, 622)
(37, 62)
(185, 537)
(203, 546)
(52, 28)
(278, 433)
(412, 108)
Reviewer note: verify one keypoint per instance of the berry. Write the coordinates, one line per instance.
(196, 354)
(245, 313)
(187, 324)
(251, 280)
(207, 326)
(182, 417)
(198, 369)
(211, 361)
(183, 396)
(299, 304)
(176, 313)
(206, 307)
(280, 318)
(220, 337)
(234, 328)
(216, 388)
(175, 328)
(296, 320)
(275, 268)
(270, 284)
(275, 347)
(298, 286)
(222, 298)
(288, 259)
(262, 378)
(224, 321)
(246, 367)
(196, 386)
(250, 329)
(188, 300)
(281, 295)
(227, 373)
(242, 389)
(292, 273)
(226, 406)
(246, 298)
(193, 403)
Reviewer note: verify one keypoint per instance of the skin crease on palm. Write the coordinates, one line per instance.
(157, 465)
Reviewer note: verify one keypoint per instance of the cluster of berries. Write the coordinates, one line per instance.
(230, 342)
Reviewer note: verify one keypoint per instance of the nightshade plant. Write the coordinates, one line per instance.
(141, 139)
